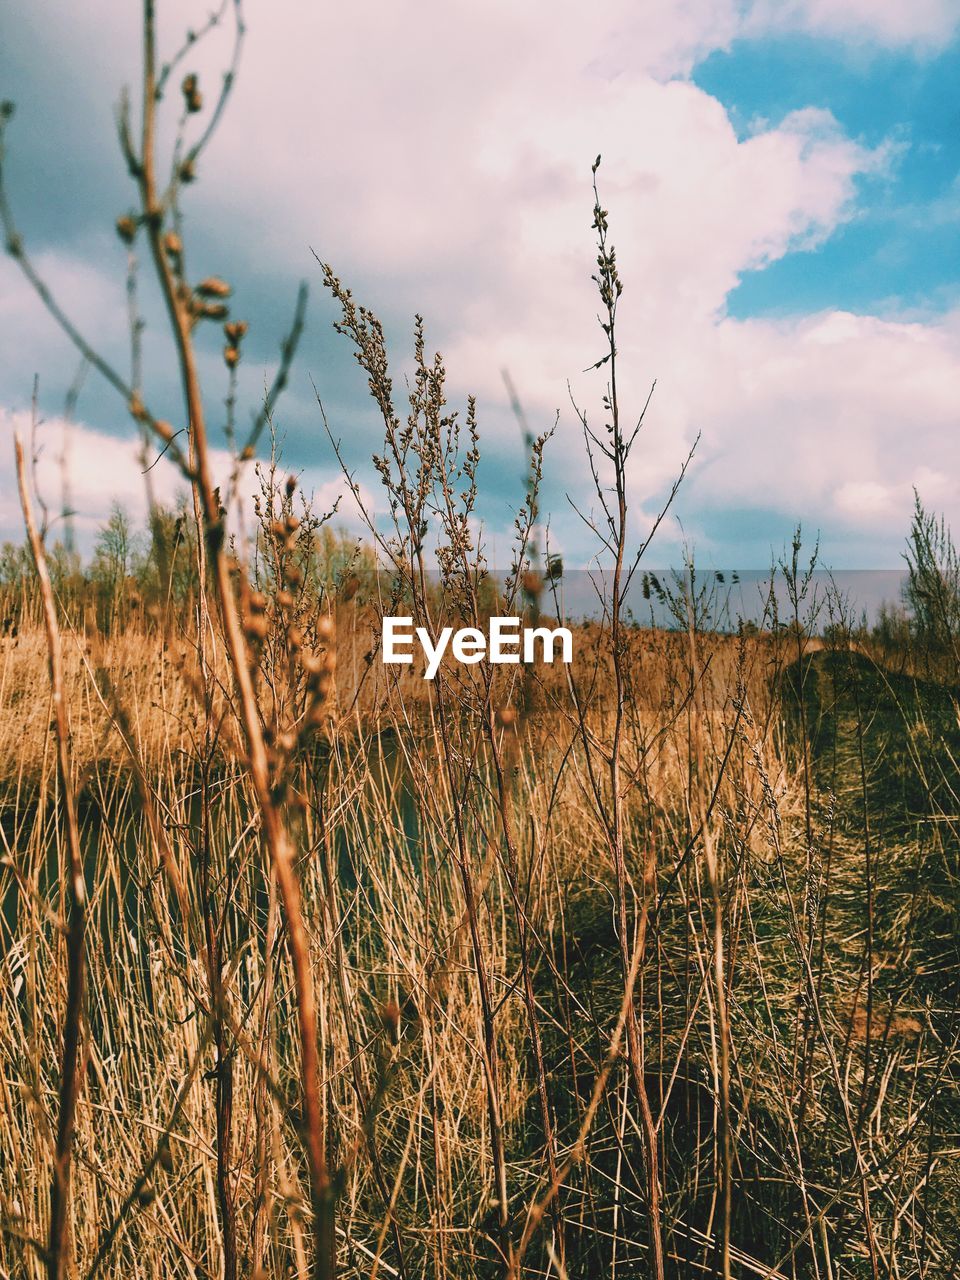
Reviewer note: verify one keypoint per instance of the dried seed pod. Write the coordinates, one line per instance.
(192, 97)
(213, 287)
(291, 523)
(135, 405)
(330, 660)
(209, 310)
(235, 331)
(258, 601)
(284, 599)
(311, 663)
(326, 628)
(506, 717)
(278, 529)
(188, 171)
(146, 1195)
(173, 244)
(256, 627)
(293, 575)
(295, 637)
(231, 357)
(127, 228)
(291, 486)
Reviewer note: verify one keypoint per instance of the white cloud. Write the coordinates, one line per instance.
(835, 417)
(99, 469)
(439, 156)
(922, 24)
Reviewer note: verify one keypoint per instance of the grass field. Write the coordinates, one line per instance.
(459, 895)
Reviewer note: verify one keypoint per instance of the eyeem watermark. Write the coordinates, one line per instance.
(506, 642)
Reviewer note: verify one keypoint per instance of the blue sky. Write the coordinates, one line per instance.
(902, 249)
(782, 180)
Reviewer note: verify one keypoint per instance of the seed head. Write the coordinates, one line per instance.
(127, 228)
(213, 287)
(209, 310)
(192, 97)
(231, 357)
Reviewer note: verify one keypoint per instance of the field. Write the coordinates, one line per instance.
(788, 966)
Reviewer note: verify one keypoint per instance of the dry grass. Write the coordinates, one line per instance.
(401, 1021)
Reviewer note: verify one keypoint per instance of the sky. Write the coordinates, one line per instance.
(782, 183)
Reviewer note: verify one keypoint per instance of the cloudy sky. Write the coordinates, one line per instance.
(782, 180)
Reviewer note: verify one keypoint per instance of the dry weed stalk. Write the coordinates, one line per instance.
(75, 895)
(186, 307)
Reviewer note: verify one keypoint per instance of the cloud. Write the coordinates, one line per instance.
(439, 157)
(834, 418)
(924, 25)
(98, 468)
